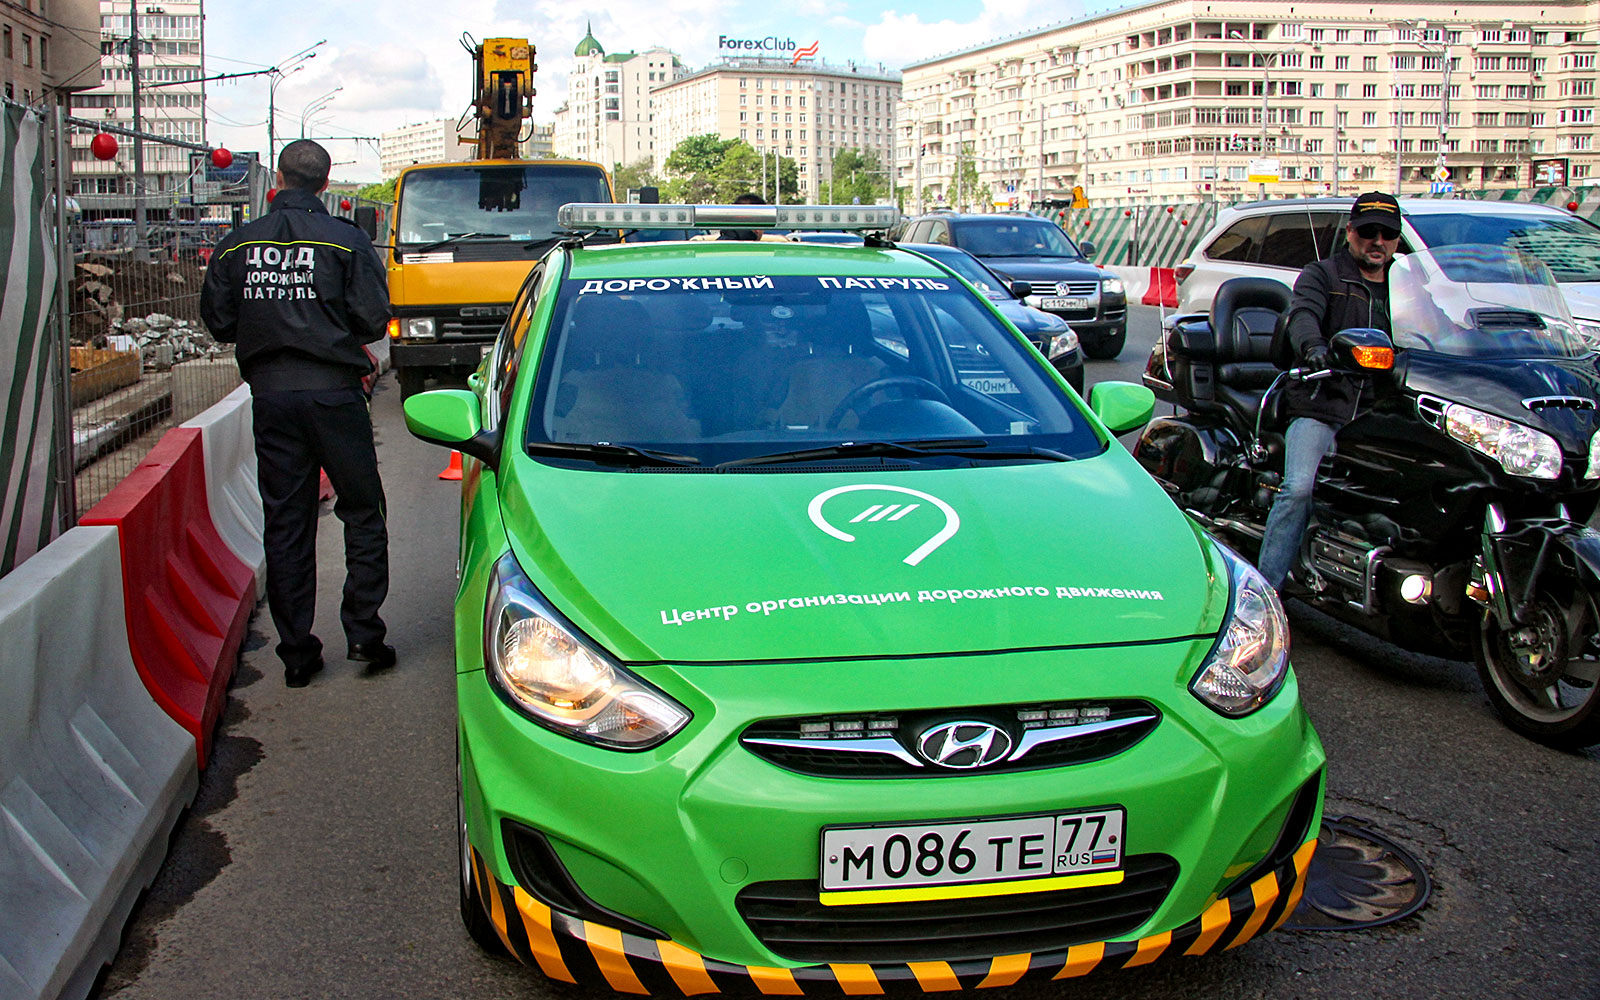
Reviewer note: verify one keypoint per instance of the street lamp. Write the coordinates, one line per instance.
(1265, 86)
(317, 105)
(276, 74)
(1441, 48)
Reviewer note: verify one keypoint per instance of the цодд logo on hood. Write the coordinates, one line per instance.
(871, 513)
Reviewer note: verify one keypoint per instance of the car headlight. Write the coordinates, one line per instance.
(559, 679)
(1594, 457)
(1250, 659)
(1590, 333)
(1520, 450)
(1062, 343)
(420, 327)
(1112, 286)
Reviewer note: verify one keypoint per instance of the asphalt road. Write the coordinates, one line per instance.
(319, 859)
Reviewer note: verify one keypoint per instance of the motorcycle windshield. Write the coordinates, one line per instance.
(1480, 301)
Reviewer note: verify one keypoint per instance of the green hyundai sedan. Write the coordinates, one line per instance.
(813, 636)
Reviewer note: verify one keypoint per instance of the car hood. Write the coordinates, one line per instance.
(1033, 323)
(1033, 269)
(1583, 298)
(712, 568)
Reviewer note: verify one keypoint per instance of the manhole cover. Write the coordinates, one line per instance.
(1358, 878)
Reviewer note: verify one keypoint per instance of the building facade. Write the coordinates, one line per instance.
(1181, 99)
(540, 142)
(435, 141)
(171, 60)
(45, 58)
(607, 115)
(804, 111)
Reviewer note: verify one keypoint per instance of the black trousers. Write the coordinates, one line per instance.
(298, 433)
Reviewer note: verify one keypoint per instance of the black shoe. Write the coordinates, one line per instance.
(300, 676)
(377, 655)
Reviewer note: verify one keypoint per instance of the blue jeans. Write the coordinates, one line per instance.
(1305, 444)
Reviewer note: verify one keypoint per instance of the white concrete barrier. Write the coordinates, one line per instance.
(1136, 279)
(226, 432)
(93, 775)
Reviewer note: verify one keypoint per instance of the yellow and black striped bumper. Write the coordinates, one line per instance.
(578, 951)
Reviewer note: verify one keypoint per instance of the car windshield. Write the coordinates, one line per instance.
(1007, 237)
(1479, 301)
(965, 265)
(515, 203)
(712, 370)
(1569, 246)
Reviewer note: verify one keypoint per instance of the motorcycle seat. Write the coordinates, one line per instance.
(1245, 316)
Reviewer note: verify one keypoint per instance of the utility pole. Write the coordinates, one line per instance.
(1041, 155)
(138, 128)
(1399, 130)
(1338, 140)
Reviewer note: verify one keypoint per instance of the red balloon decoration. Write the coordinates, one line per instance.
(1572, 206)
(271, 194)
(1169, 209)
(1183, 222)
(344, 204)
(221, 158)
(1127, 214)
(103, 146)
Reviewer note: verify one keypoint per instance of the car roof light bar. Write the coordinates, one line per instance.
(582, 216)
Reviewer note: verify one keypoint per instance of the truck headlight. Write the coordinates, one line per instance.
(1112, 286)
(1250, 659)
(1062, 343)
(1520, 450)
(420, 327)
(560, 680)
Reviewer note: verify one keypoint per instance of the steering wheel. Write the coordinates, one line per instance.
(918, 386)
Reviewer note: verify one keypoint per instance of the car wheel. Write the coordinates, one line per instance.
(1108, 348)
(411, 382)
(474, 911)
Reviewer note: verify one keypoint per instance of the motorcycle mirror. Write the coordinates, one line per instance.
(1364, 347)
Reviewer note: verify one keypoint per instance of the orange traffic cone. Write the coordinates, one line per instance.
(453, 470)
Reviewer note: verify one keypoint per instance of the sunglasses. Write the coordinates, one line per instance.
(1372, 231)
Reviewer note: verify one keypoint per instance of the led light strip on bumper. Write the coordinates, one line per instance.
(571, 950)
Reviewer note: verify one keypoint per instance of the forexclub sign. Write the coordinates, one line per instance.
(771, 45)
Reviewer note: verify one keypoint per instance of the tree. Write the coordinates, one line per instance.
(965, 191)
(381, 191)
(857, 177)
(638, 174)
(705, 169)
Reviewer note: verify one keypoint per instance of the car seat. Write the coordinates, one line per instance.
(838, 359)
(613, 389)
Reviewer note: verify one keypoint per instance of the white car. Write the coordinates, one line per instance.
(1275, 239)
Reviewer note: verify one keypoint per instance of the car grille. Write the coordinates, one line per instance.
(884, 744)
(1077, 289)
(790, 921)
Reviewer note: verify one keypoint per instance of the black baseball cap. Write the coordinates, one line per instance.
(1376, 206)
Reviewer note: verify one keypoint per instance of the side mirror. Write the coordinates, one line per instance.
(1363, 348)
(1122, 406)
(649, 195)
(1021, 289)
(449, 417)
(1087, 248)
(367, 220)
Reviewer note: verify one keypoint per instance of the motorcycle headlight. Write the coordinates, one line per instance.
(1520, 450)
(1062, 343)
(1112, 286)
(1594, 457)
(420, 327)
(559, 679)
(1590, 333)
(1248, 664)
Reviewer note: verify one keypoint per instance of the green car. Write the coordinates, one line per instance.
(812, 636)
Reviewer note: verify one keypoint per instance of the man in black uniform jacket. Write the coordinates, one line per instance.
(299, 292)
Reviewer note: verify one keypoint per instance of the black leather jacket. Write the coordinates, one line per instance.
(299, 292)
(1330, 296)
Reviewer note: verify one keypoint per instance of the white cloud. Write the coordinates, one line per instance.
(898, 39)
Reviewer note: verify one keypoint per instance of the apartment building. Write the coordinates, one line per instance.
(171, 54)
(607, 114)
(436, 141)
(1180, 99)
(45, 58)
(805, 112)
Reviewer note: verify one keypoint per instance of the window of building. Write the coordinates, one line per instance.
(1369, 118)
(1341, 34)
(27, 50)
(1369, 64)
(1316, 62)
(1487, 62)
(1341, 62)
(1369, 90)
(5, 41)
(1488, 91)
(1341, 90)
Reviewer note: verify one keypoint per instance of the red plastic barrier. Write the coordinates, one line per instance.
(1163, 290)
(188, 597)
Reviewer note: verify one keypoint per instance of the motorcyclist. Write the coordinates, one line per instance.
(1349, 289)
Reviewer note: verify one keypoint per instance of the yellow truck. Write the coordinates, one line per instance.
(463, 235)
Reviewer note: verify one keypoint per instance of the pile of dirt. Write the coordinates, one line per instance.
(108, 289)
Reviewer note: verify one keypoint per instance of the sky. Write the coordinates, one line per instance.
(401, 63)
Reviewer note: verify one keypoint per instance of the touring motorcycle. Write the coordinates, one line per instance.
(1450, 518)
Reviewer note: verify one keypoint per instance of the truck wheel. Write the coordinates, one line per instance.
(1107, 348)
(411, 382)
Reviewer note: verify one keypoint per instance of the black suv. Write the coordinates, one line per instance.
(1036, 250)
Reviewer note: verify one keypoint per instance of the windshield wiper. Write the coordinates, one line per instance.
(974, 448)
(604, 451)
(458, 238)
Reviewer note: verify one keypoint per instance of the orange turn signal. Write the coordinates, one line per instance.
(394, 328)
(1381, 358)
